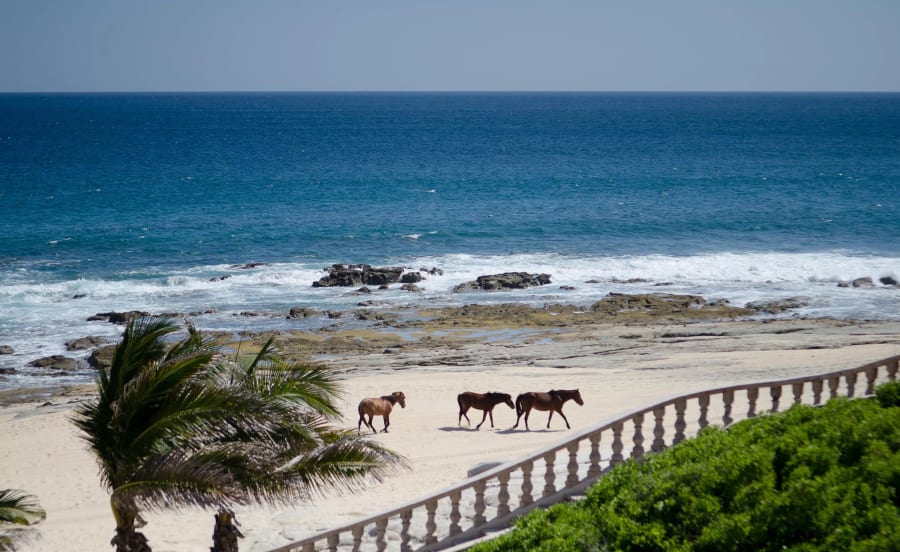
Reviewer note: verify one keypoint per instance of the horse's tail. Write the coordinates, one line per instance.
(519, 407)
(459, 401)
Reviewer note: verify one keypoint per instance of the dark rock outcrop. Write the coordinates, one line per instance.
(507, 280)
(84, 343)
(778, 306)
(101, 357)
(55, 362)
(888, 280)
(303, 312)
(411, 278)
(358, 275)
(117, 317)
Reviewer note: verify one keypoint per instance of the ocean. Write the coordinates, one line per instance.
(116, 202)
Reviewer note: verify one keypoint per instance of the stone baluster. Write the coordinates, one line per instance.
(479, 518)
(703, 400)
(680, 424)
(357, 533)
(752, 396)
(309, 547)
(727, 401)
(503, 495)
(430, 525)
(405, 537)
(455, 516)
(527, 487)
(871, 376)
(833, 383)
(616, 445)
(659, 432)
(549, 474)
(572, 479)
(892, 368)
(775, 393)
(817, 391)
(595, 469)
(851, 384)
(637, 452)
(381, 534)
(333, 540)
(797, 388)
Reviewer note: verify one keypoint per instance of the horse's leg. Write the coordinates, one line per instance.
(519, 415)
(483, 417)
(550, 417)
(369, 423)
(564, 419)
(520, 409)
(463, 408)
(362, 419)
(527, 413)
(387, 421)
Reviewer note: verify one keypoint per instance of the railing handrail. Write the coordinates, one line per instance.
(577, 437)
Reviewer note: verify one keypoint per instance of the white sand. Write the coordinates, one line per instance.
(41, 453)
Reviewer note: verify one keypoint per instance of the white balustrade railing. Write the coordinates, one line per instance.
(493, 499)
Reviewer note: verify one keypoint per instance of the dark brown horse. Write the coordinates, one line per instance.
(553, 401)
(481, 401)
(379, 406)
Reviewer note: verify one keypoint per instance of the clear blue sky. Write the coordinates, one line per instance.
(175, 45)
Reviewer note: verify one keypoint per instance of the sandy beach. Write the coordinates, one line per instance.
(616, 367)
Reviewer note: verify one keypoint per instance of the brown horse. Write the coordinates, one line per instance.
(379, 406)
(481, 401)
(552, 401)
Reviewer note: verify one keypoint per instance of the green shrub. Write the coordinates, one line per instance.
(888, 395)
(811, 479)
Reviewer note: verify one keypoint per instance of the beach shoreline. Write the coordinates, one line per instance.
(617, 367)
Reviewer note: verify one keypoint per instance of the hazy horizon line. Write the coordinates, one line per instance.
(448, 91)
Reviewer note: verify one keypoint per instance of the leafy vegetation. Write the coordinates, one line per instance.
(17, 510)
(181, 424)
(809, 479)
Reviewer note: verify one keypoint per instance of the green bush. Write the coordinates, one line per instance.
(809, 479)
(888, 395)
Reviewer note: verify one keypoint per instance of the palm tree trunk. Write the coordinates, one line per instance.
(127, 538)
(226, 533)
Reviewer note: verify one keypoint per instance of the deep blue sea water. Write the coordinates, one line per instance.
(137, 201)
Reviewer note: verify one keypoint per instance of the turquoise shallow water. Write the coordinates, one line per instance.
(119, 202)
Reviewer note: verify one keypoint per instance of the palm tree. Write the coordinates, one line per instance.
(306, 455)
(181, 425)
(17, 509)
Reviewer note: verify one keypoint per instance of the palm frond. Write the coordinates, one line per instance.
(20, 508)
(142, 343)
(346, 463)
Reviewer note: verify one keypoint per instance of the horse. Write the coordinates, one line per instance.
(552, 401)
(481, 401)
(379, 406)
